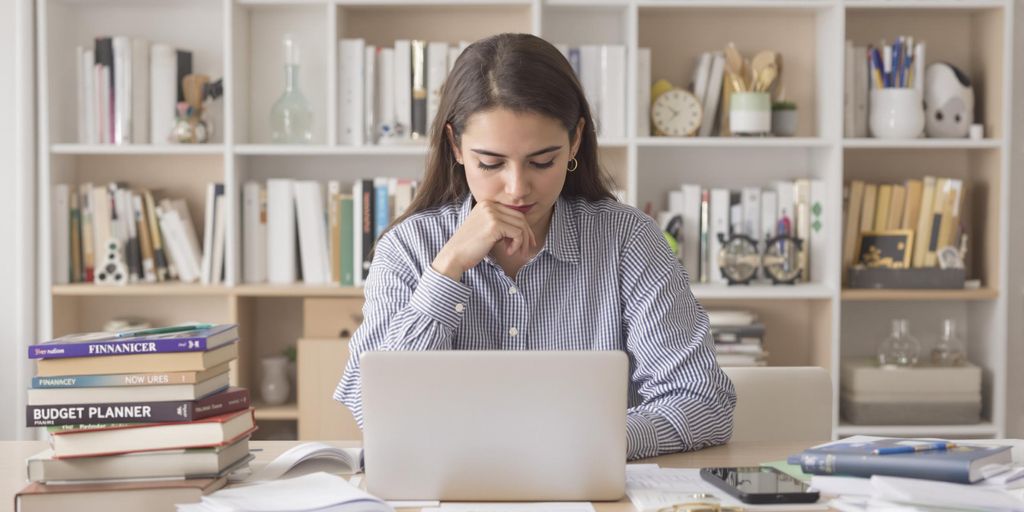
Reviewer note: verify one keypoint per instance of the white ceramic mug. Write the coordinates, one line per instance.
(750, 113)
(896, 113)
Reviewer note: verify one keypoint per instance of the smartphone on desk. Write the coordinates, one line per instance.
(759, 485)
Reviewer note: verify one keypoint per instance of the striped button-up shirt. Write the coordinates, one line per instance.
(605, 279)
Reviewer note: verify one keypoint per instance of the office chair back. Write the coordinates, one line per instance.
(781, 403)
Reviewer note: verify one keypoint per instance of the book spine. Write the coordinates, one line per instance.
(865, 466)
(137, 412)
(125, 379)
(115, 348)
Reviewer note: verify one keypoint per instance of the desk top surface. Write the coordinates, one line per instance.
(14, 453)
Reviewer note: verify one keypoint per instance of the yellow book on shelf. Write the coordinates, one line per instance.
(924, 218)
(867, 211)
(899, 196)
(912, 206)
(852, 228)
(882, 207)
(939, 210)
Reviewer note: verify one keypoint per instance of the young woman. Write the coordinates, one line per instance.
(514, 242)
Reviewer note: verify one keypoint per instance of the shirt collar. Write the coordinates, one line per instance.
(563, 236)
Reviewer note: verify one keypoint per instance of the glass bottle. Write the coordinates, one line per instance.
(291, 117)
(950, 350)
(900, 348)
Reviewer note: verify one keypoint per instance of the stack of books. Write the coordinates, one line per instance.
(739, 338)
(147, 418)
(918, 395)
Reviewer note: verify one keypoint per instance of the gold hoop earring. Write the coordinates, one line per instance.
(573, 165)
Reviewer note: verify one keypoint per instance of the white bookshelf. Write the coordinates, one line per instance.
(816, 323)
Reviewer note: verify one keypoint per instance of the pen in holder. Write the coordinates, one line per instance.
(896, 113)
(750, 113)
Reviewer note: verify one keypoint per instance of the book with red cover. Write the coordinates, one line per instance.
(205, 433)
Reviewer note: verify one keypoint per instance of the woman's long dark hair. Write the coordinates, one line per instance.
(522, 73)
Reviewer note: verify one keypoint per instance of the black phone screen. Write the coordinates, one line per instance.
(756, 484)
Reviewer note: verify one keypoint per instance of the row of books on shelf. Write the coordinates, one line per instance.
(128, 89)
(697, 216)
(739, 338)
(926, 212)
(391, 94)
(145, 418)
(336, 231)
(112, 234)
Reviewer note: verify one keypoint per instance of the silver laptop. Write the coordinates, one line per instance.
(495, 425)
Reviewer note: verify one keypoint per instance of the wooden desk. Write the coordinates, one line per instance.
(14, 453)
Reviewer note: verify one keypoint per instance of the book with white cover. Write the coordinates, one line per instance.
(691, 230)
(714, 92)
(188, 231)
(140, 91)
(254, 232)
(643, 93)
(350, 91)
(122, 89)
(820, 229)
(309, 202)
(370, 94)
(769, 212)
(61, 221)
(861, 86)
(211, 212)
(613, 91)
(127, 394)
(752, 212)
(402, 80)
(590, 78)
(437, 72)
(81, 95)
(700, 76)
(163, 91)
(219, 239)
(719, 224)
(385, 94)
(280, 232)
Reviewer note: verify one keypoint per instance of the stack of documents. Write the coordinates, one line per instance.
(321, 492)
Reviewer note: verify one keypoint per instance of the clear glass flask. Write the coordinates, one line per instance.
(291, 117)
(950, 349)
(900, 348)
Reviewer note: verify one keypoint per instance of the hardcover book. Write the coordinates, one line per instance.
(108, 344)
(233, 399)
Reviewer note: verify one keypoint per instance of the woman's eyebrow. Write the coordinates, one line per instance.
(499, 155)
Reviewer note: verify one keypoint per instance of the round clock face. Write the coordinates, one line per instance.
(676, 113)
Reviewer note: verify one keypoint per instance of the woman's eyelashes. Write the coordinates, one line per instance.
(538, 165)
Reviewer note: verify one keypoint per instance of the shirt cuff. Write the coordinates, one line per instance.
(649, 435)
(440, 298)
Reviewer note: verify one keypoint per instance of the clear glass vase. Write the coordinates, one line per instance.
(900, 348)
(291, 117)
(950, 349)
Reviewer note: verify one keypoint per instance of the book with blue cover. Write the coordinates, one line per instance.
(961, 463)
(109, 344)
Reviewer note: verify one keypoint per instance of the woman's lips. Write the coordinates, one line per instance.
(520, 209)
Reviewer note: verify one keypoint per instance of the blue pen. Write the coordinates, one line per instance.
(914, 448)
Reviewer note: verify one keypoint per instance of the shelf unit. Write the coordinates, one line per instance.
(816, 323)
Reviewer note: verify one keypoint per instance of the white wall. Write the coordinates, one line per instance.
(17, 203)
(1015, 386)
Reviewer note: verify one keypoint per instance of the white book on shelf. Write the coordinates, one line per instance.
(718, 224)
(254, 232)
(385, 93)
(613, 91)
(177, 229)
(919, 66)
(350, 91)
(60, 220)
(802, 191)
(163, 93)
(122, 89)
(100, 202)
(206, 276)
(752, 212)
(370, 94)
(91, 108)
(819, 229)
(769, 213)
(280, 232)
(403, 195)
(103, 102)
(861, 86)
(132, 249)
(590, 78)
(714, 92)
(81, 95)
(735, 212)
(219, 239)
(643, 92)
(312, 232)
(173, 249)
(700, 76)
(787, 206)
(437, 72)
(188, 230)
(848, 83)
(402, 79)
(691, 230)
(140, 91)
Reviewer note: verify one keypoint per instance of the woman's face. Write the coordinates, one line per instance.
(516, 159)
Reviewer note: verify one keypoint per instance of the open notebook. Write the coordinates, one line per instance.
(305, 459)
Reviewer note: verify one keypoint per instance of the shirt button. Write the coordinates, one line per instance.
(513, 332)
(512, 290)
(459, 308)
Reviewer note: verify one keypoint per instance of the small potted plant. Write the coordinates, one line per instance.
(784, 118)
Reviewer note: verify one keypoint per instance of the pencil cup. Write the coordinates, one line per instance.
(896, 113)
(750, 113)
